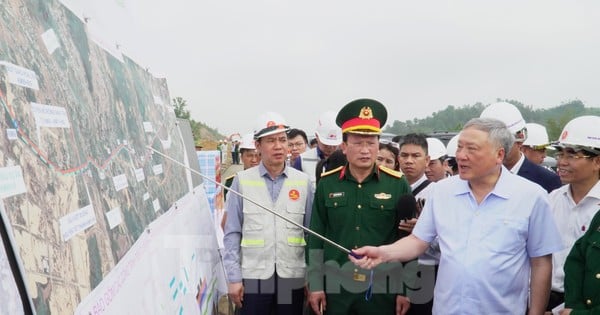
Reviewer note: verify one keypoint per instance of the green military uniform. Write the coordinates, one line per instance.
(228, 182)
(355, 214)
(582, 272)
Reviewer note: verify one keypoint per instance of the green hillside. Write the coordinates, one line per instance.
(453, 118)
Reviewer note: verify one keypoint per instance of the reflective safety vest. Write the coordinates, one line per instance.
(268, 242)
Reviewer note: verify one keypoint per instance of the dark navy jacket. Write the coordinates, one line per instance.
(539, 175)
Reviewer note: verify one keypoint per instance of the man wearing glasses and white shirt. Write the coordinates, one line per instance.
(574, 204)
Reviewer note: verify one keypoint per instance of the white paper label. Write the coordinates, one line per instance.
(156, 205)
(120, 182)
(11, 134)
(158, 169)
(139, 174)
(11, 181)
(148, 126)
(50, 40)
(21, 76)
(76, 222)
(114, 217)
(50, 116)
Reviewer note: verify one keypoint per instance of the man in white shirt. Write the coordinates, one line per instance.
(574, 204)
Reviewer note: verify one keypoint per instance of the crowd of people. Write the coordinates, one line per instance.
(358, 224)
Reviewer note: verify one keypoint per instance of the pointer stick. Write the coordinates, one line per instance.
(342, 248)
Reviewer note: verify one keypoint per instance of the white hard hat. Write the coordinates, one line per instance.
(452, 146)
(328, 131)
(248, 142)
(436, 148)
(536, 135)
(508, 113)
(269, 123)
(583, 132)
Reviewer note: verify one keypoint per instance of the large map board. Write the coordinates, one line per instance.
(78, 183)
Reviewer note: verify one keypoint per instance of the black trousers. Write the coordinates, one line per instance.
(273, 296)
(556, 299)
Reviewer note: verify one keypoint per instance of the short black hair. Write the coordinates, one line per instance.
(419, 139)
(294, 132)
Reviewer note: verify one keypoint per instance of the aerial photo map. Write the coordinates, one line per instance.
(77, 180)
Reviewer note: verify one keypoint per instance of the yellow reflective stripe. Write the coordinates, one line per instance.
(295, 183)
(252, 242)
(296, 240)
(252, 183)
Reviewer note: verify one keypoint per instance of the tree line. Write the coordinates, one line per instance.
(453, 118)
(203, 134)
(450, 119)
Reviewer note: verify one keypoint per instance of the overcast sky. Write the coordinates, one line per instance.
(232, 60)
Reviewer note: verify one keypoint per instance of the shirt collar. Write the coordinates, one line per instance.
(262, 170)
(418, 182)
(345, 173)
(515, 169)
(593, 193)
(502, 188)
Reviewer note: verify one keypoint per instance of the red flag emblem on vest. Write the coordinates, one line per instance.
(294, 194)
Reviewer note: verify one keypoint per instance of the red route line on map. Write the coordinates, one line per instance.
(89, 160)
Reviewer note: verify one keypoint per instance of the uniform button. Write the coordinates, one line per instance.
(335, 204)
(359, 186)
(358, 228)
(381, 206)
(359, 207)
(588, 302)
(355, 246)
(355, 270)
(598, 276)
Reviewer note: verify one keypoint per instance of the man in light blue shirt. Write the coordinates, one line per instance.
(495, 229)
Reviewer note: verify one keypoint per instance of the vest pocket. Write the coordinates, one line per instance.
(295, 236)
(252, 236)
(296, 243)
(252, 247)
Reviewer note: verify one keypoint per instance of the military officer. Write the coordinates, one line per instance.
(355, 205)
(582, 273)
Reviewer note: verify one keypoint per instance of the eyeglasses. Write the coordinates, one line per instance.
(296, 144)
(521, 135)
(392, 143)
(571, 156)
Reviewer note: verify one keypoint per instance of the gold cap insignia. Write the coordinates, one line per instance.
(366, 113)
